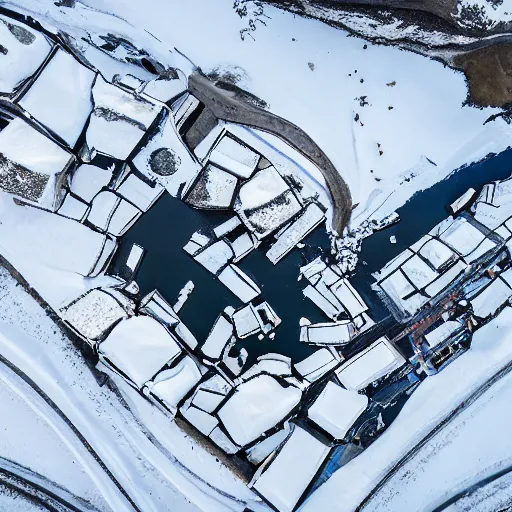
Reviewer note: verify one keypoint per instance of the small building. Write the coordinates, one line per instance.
(283, 480)
(32, 167)
(336, 409)
(378, 360)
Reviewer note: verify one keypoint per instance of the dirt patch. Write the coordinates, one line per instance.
(489, 74)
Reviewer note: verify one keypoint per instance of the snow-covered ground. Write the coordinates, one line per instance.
(483, 13)
(412, 128)
(161, 469)
(432, 401)
(472, 447)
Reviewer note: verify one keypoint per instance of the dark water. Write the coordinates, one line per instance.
(168, 226)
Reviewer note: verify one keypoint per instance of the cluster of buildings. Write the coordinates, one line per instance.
(455, 278)
(85, 158)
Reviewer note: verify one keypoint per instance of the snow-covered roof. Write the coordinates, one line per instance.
(306, 222)
(94, 314)
(336, 409)
(60, 98)
(59, 242)
(239, 283)
(124, 216)
(376, 361)
(155, 305)
(170, 386)
(140, 193)
(352, 302)
(139, 347)
(215, 256)
(265, 202)
(163, 89)
(437, 254)
(214, 189)
(118, 121)
(246, 321)
(491, 299)
(88, 180)
(235, 157)
(316, 365)
(260, 451)
(203, 421)
(218, 338)
(166, 159)
(30, 164)
(256, 406)
(286, 478)
(26, 51)
(73, 208)
(332, 333)
(441, 333)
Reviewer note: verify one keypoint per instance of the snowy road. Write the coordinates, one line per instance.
(456, 447)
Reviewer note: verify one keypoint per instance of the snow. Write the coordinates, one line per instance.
(352, 302)
(483, 13)
(374, 362)
(94, 314)
(124, 216)
(336, 409)
(256, 406)
(246, 321)
(215, 188)
(448, 132)
(226, 227)
(265, 202)
(164, 90)
(436, 253)
(327, 307)
(167, 140)
(103, 207)
(88, 180)
(260, 451)
(139, 347)
(239, 283)
(430, 403)
(204, 422)
(172, 385)
(215, 256)
(235, 157)
(135, 258)
(206, 400)
(73, 208)
(461, 202)
(53, 241)
(60, 98)
(316, 365)
(463, 237)
(155, 305)
(293, 469)
(418, 272)
(491, 299)
(218, 338)
(23, 57)
(458, 456)
(242, 246)
(334, 333)
(119, 120)
(24, 145)
(139, 193)
(306, 222)
(442, 333)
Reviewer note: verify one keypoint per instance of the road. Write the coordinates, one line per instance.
(446, 421)
(226, 107)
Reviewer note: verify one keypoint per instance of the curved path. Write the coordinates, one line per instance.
(228, 108)
(39, 489)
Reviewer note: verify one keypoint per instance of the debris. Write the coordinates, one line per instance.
(183, 296)
(392, 239)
